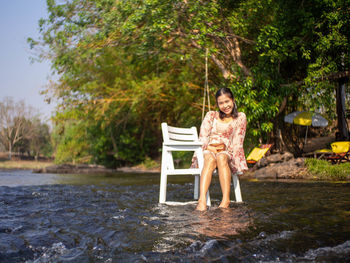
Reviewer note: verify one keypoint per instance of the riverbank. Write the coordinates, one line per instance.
(285, 166)
(23, 164)
(92, 169)
(50, 167)
(310, 169)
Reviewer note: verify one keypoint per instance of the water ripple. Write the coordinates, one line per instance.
(120, 220)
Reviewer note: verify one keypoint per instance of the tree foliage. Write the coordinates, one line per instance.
(126, 66)
(22, 130)
(12, 123)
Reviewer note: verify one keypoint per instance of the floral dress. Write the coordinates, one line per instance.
(232, 136)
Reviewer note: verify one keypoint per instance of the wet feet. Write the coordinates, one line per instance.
(201, 206)
(224, 204)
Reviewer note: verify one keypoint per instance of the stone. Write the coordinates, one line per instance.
(274, 158)
(261, 163)
(292, 168)
(265, 173)
(300, 161)
(287, 156)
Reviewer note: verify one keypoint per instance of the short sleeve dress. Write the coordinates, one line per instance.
(232, 135)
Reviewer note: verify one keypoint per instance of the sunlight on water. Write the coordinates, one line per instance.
(117, 218)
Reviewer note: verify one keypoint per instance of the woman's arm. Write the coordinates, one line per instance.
(206, 128)
(239, 135)
(236, 147)
(204, 133)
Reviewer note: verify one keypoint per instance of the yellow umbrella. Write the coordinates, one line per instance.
(306, 118)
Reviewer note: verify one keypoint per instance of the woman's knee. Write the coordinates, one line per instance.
(209, 160)
(222, 159)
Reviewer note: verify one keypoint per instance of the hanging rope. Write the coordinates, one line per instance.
(206, 85)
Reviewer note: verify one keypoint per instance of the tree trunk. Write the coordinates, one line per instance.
(10, 151)
(276, 135)
(343, 130)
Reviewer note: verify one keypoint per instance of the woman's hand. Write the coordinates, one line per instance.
(212, 149)
(216, 148)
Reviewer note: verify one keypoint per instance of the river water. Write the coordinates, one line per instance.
(117, 218)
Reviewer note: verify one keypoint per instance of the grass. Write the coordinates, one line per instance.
(148, 163)
(21, 164)
(321, 169)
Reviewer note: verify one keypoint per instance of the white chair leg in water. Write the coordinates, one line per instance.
(237, 188)
(179, 139)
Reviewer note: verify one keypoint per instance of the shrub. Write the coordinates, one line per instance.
(322, 169)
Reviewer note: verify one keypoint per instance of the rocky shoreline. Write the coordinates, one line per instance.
(275, 166)
(279, 166)
(74, 169)
(90, 169)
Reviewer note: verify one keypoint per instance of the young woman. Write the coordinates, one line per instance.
(222, 134)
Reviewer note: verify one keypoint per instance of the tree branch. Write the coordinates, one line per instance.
(225, 72)
(332, 76)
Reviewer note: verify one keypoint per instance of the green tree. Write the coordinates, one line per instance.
(70, 143)
(13, 116)
(126, 66)
(40, 141)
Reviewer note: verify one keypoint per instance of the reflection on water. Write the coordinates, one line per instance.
(223, 223)
(186, 225)
(117, 218)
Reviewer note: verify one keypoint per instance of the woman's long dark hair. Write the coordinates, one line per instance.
(227, 92)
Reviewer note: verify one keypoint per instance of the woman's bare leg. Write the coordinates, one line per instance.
(224, 178)
(207, 172)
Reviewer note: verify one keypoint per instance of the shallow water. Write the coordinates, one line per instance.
(117, 218)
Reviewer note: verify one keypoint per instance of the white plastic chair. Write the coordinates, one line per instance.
(179, 139)
(185, 139)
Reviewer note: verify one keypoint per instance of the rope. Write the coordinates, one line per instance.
(206, 76)
(203, 107)
(206, 86)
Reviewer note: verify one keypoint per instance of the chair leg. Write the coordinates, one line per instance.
(170, 160)
(237, 188)
(208, 199)
(196, 187)
(163, 178)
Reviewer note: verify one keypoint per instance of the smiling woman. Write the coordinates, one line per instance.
(222, 134)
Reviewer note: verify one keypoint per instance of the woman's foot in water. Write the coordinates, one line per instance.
(224, 204)
(202, 205)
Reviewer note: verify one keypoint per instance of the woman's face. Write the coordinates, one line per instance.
(225, 104)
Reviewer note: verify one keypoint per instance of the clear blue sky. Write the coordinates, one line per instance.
(20, 79)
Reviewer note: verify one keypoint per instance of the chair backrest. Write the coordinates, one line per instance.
(340, 147)
(175, 134)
